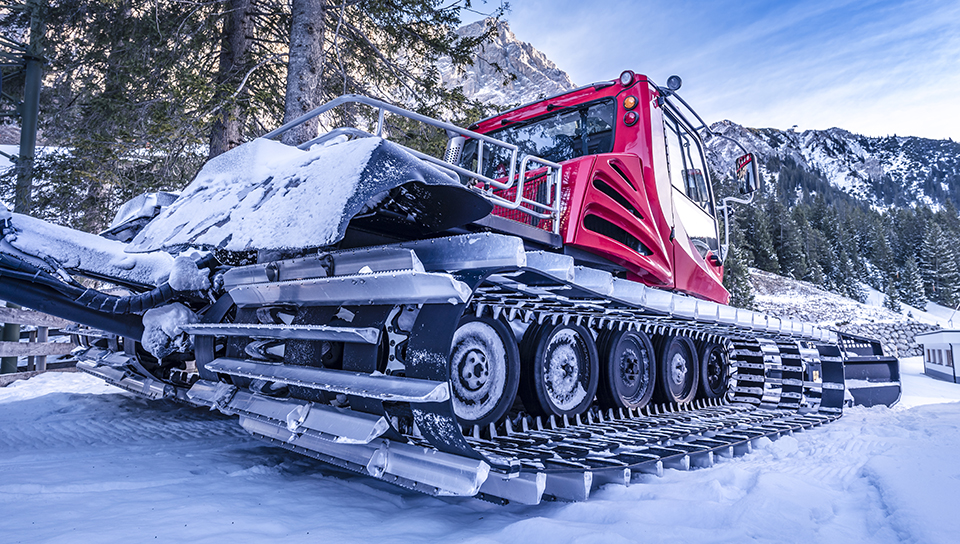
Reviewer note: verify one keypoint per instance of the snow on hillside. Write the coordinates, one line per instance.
(81, 461)
(786, 297)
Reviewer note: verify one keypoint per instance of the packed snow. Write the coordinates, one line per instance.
(185, 275)
(83, 461)
(162, 333)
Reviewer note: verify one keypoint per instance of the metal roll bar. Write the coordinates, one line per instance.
(518, 168)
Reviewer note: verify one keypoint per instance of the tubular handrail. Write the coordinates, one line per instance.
(481, 183)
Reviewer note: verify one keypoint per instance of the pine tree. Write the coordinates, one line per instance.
(881, 256)
(758, 243)
(811, 242)
(930, 260)
(786, 241)
(140, 91)
(910, 285)
(891, 299)
(736, 275)
(123, 89)
(948, 277)
(236, 64)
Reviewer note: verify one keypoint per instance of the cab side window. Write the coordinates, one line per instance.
(687, 171)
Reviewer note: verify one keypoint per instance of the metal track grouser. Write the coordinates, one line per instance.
(537, 313)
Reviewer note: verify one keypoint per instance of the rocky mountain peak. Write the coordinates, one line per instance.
(882, 171)
(505, 70)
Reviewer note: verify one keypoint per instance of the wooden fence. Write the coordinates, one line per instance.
(39, 347)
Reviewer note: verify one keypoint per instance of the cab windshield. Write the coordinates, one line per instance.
(559, 136)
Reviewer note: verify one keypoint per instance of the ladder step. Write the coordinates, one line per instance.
(353, 335)
(389, 388)
(401, 287)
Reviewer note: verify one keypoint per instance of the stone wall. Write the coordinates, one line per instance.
(897, 338)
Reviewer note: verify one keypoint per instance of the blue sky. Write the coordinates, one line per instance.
(878, 67)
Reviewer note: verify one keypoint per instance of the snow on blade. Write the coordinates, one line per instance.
(77, 250)
(264, 195)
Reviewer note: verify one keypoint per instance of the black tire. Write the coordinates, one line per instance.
(484, 370)
(678, 370)
(628, 369)
(713, 371)
(559, 370)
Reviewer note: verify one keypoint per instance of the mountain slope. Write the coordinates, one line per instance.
(787, 298)
(883, 172)
(525, 74)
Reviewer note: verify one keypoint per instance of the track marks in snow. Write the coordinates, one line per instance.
(76, 421)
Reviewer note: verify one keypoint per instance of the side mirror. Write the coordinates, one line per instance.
(747, 175)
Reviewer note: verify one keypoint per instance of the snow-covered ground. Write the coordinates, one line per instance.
(81, 461)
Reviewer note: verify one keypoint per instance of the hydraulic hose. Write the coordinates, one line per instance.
(28, 285)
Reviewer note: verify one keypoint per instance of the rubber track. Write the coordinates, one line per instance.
(769, 391)
(770, 394)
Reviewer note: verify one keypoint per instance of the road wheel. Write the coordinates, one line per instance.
(713, 371)
(560, 370)
(678, 371)
(628, 369)
(484, 370)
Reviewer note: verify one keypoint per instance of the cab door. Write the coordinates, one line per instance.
(696, 239)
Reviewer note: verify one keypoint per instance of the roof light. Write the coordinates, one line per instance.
(630, 118)
(630, 102)
(626, 78)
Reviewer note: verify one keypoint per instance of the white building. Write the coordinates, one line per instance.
(938, 354)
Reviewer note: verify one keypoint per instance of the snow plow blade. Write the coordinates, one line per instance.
(871, 378)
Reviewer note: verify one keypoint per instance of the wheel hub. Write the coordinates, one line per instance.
(562, 368)
(475, 370)
(678, 369)
(715, 370)
(562, 371)
(629, 367)
(478, 369)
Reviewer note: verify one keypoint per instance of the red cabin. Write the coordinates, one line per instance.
(635, 194)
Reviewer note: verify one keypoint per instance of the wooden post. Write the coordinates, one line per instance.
(38, 350)
(31, 360)
(11, 333)
(42, 338)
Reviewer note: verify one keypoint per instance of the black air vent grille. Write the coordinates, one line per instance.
(617, 168)
(612, 193)
(605, 228)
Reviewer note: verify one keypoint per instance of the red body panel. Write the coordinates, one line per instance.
(642, 215)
